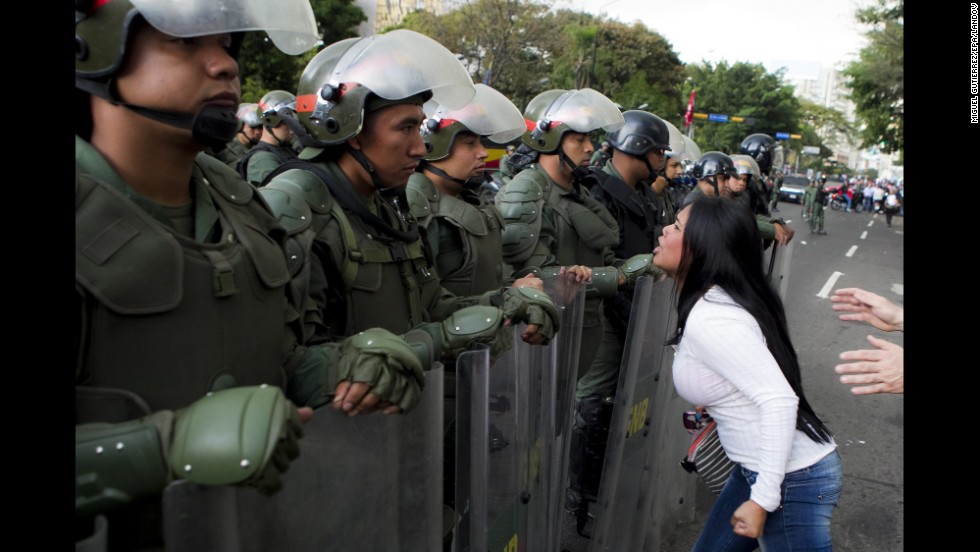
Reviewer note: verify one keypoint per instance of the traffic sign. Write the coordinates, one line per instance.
(782, 136)
(717, 117)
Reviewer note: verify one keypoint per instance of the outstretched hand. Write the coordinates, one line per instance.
(870, 308)
(878, 370)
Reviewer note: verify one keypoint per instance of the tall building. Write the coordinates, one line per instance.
(382, 14)
(826, 87)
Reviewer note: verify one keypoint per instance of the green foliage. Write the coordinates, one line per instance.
(527, 49)
(262, 67)
(743, 90)
(877, 78)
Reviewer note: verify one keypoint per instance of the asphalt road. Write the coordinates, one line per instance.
(858, 251)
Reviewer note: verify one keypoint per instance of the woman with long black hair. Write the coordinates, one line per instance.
(735, 357)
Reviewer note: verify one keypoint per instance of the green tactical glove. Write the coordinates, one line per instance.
(467, 326)
(242, 435)
(526, 304)
(637, 266)
(386, 363)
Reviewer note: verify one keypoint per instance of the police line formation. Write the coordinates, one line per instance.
(257, 281)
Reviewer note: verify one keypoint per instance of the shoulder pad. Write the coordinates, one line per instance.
(292, 212)
(305, 185)
(224, 179)
(526, 186)
(421, 193)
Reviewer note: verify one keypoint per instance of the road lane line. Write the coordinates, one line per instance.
(864, 234)
(825, 290)
(850, 252)
(870, 222)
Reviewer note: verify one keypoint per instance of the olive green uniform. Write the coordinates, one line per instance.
(232, 152)
(463, 233)
(548, 226)
(808, 196)
(262, 159)
(816, 219)
(176, 303)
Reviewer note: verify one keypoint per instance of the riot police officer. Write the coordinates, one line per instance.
(249, 133)
(552, 221)
(276, 145)
(187, 334)
(638, 152)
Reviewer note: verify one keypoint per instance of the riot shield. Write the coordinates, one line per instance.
(512, 422)
(372, 481)
(778, 267)
(633, 476)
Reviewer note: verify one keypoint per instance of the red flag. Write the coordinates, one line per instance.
(689, 116)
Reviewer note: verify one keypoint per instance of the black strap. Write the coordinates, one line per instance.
(348, 200)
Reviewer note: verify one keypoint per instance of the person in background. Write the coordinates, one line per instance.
(735, 358)
(878, 370)
(819, 202)
(506, 172)
(891, 203)
(249, 133)
(276, 145)
(808, 195)
(601, 155)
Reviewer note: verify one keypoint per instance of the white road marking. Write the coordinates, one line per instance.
(870, 222)
(898, 289)
(864, 234)
(825, 290)
(850, 252)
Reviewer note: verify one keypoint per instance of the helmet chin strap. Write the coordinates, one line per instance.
(566, 160)
(436, 170)
(362, 159)
(211, 126)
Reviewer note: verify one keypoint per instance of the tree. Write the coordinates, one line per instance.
(262, 67)
(521, 48)
(877, 78)
(742, 90)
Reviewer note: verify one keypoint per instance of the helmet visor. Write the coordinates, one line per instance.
(289, 23)
(745, 164)
(584, 111)
(676, 140)
(778, 157)
(488, 114)
(403, 63)
(691, 151)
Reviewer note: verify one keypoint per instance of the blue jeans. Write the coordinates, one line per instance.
(801, 523)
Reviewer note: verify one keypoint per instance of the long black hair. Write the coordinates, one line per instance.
(722, 247)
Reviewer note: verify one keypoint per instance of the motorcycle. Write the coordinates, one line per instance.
(837, 201)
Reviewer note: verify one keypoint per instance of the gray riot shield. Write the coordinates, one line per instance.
(512, 419)
(777, 267)
(373, 482)
(639, 466)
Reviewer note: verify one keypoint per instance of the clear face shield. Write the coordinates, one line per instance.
(745, 164)
(403, 63)
(584, 111)
(690, 154)
(289, 23)
(677, 142)
(778, 158)
(488, 114)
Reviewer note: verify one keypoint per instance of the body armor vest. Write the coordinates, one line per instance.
(635, 212)
(171, 319)
(360, 264)
(477, 265)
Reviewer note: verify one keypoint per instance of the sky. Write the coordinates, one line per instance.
(801, 35)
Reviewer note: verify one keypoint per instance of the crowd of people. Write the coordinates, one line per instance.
(326, 247)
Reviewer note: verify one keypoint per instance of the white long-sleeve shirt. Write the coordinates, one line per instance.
(722, 363)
